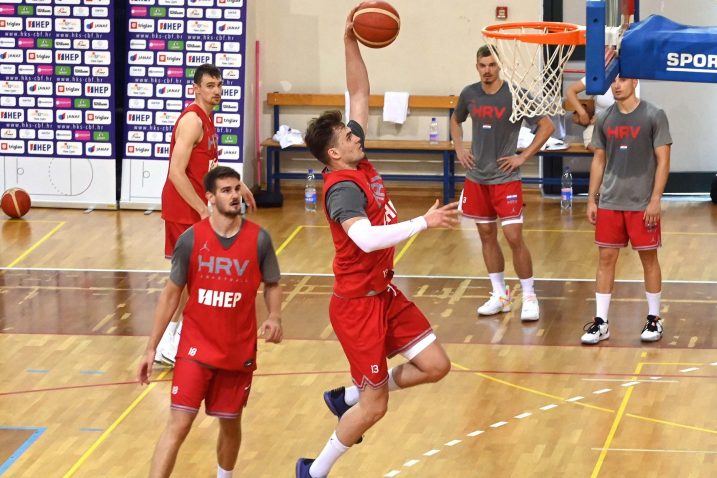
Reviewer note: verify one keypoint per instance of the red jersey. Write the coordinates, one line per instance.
(359, 273)
(204, 157)
(220, 316)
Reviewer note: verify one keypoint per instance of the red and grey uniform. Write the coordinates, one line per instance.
(372, 319)
(217, 349)
(177, 214)
(629, 141)
(490, 193)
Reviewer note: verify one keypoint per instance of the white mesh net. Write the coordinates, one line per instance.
(534, 72)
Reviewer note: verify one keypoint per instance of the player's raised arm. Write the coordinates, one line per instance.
(356, 76)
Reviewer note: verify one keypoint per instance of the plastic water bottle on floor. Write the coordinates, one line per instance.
(433, 131)
(566, 190)
(310, 192)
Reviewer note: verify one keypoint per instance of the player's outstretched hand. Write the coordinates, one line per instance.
(144, 371)
(442, 216)
(248, 197)
(349, 30)
(271, 330)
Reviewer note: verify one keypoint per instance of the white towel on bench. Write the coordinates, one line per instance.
(395, 106)
(287, 136)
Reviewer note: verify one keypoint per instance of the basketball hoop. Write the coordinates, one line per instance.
(532, 56)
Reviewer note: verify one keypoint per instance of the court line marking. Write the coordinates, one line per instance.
(411, 240)
(289, 239)
(658, 450)
(615, 423)
(114, 425)
(400, 276)
(22, 448)
(36, 245)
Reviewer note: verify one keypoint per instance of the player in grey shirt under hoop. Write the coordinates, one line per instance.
(493, 188)
(629, 169)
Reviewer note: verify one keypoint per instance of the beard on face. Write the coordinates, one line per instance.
(227, 212)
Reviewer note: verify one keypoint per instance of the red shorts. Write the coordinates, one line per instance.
(225, 392)
(615, 228)
(172, 231)
(488, 202)
(372, 329)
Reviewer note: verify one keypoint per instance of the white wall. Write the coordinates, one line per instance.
(302, 52)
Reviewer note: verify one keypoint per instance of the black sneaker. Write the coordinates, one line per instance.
(652, 331)
(595, 331)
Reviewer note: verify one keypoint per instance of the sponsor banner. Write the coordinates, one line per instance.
(167, 41)
(57, 98)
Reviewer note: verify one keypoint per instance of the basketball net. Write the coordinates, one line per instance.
(532, 69)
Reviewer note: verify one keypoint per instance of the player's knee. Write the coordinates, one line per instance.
(375, 410)
(439, 369)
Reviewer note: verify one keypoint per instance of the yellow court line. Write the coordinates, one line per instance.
(615, 424)
(532, 390)
(288, 239)
(36, 245)
(587, 405)
(405, 248)
(112, 427)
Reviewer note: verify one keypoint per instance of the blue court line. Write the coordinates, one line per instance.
(37, 370)
(92, 372)
(23, 448)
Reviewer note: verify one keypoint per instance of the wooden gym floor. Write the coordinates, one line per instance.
(78, 290)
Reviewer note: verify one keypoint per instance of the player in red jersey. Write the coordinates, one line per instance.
(221, 260)
(372, 319)
(192, 152)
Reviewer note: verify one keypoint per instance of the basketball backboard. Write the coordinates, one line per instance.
(606, 22)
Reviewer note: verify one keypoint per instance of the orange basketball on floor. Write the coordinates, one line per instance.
(376, 24)
(15, 202)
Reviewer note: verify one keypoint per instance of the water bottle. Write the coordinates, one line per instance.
(310, 192)
(433, 131)
(566, 190)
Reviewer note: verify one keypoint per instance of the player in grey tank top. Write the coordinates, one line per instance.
(627, 178)
(493, 189)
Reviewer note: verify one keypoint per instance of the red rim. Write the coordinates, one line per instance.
(555, 33)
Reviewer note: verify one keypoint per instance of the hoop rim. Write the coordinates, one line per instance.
(557, 33)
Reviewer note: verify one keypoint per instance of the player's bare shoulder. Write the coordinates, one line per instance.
(190, 127)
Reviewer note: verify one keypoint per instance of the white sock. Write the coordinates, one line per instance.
(351, 395)
(602, 305)
(497, 279)
(527, 285)
(222, 473)
(333, 450)
(179, 327)
(653, 303)
(392, 385)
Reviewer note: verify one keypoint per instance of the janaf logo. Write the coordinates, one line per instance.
(700, 62)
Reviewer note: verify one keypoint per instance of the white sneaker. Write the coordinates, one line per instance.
(495, 305)
(531, 309)
(652, 332)
(595, 331)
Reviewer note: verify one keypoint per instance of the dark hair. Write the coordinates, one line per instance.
(220, 172)
(320, 134)
(485, 51)
(206, 69)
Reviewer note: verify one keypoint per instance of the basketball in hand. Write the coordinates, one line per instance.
(15, 202)
(376, 24)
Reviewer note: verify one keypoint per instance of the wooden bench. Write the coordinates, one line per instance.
(322, 102)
